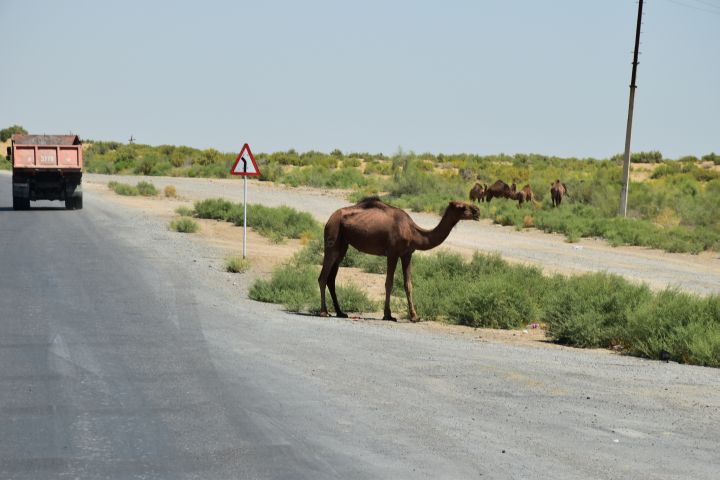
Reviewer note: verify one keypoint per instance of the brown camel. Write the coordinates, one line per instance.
(477, 193)
(557, 192)
(524, 195)
(499, 189)
(374, 227)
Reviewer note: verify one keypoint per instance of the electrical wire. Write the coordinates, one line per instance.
(701, 9)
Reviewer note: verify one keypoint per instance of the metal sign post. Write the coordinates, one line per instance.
(244, 214)
(245, 166)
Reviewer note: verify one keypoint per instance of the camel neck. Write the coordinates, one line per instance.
(427, 239)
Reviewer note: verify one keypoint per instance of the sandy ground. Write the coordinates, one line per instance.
(694, 273)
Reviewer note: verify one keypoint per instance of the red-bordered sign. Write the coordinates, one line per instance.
(245, 164)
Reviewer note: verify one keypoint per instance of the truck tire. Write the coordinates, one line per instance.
(74, 202)
(20, 203)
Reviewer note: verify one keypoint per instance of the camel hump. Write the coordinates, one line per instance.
(371, 202)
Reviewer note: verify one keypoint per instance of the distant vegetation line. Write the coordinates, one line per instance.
(675, 208)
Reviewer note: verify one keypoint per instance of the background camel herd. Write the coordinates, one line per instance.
(482, 193)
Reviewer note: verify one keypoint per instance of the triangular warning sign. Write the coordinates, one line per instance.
(245, 163)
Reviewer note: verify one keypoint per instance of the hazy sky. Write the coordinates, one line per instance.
(448, 76)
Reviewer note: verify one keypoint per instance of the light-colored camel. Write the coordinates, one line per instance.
(377, 228)
(524, 195)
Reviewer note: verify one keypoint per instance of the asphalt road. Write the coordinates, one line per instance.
(127, 353)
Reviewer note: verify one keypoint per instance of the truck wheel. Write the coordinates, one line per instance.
(70, 203)
(78, 201)
(20, 203)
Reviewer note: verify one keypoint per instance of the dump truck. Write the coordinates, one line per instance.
(46, 167)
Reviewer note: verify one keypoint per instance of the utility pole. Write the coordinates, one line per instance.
(628, 131)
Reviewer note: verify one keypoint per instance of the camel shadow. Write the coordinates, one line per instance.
(352, 317)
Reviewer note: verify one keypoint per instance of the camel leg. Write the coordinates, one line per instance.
(407, 278)
(331, 281)
(329, 260)
(391, 264)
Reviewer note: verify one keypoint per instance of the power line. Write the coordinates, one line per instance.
(709, 4)
(701, 9)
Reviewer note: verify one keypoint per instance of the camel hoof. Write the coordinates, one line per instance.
(390, 318)
(414, 319)
(323, 314)
(342, 315)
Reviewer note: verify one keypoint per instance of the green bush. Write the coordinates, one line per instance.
(273, 222)
(123, 189)
(146, 189)
(237, 264)
(185, 211)
(685, 326)
(184, 225)
(296, 288)
(591, 310)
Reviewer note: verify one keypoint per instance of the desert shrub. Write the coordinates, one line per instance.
(378, 168)
(296, 288)
(185, 211)
(351, 162)
(276, 223)
(283, 221)
(184, 225)
(685, 326)
(170, 191)
(484, 292)
(237, 264)
(146, 189)
(123, 189)
(640, 157)
(591, 310)
(711, 157)
(214, 208)
(271, 172)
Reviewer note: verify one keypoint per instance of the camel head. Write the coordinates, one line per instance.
(463, 211)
